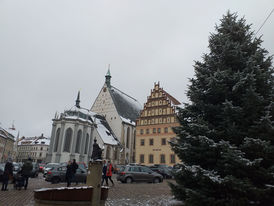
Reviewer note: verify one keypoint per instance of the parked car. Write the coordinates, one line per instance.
(136, 173)
(2, 167)
(41, 167)
(16, 166)
(58, 174)
(48, 167)
(164, 171)
(80, 164)
(35, 169)
(118, 168)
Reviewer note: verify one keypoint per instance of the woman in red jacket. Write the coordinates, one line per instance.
(109, 172)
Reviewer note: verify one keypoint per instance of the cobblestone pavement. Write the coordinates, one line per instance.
(138, 194)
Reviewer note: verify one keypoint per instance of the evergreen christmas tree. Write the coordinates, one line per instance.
(226, 135)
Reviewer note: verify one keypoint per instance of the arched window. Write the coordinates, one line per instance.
(57, 137)
(68, 136)
(86, 145)
(127, 143)
(78, 141)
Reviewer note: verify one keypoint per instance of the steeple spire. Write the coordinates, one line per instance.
(78, 100)
(108, 77)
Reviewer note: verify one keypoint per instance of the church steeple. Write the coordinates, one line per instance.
(108, 77)
(78, 100)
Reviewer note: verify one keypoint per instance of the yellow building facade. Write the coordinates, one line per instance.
(154, 129)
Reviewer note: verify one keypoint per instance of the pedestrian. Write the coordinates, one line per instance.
(69, 173)
(104, 173)
(26, 171)
(74, 169)
(7, 174)
(109, 172)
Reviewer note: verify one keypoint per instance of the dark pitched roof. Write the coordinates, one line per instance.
(126, 106)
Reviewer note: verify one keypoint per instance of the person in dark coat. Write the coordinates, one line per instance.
(69, 173)
(74, 166)
(104, 173)
(7, 174)
(26, 171)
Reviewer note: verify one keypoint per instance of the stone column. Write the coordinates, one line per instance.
(52, 140)
(90, 143)
(60, 142)
(94, 179)
(83, 142)
(73, 143)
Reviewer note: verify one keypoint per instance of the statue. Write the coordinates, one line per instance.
(96, 152)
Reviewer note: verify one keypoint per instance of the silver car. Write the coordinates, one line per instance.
(48, 167)
(136, 173)
(58, 174)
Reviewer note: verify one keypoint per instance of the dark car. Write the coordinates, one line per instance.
(2, 167)
(137, 173)
(58, 174)
(16, 166)
(80, 164)
(164, 171)
(35, 169)
(48, 167)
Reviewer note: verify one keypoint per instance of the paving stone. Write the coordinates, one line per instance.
(137, 194)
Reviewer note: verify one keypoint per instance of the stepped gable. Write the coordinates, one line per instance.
(171, 98)
(127, 107)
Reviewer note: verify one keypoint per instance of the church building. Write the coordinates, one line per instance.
(120, 111)
(73, 134)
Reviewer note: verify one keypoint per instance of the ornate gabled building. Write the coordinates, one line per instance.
(73, 134)
(154, 129)
(120, 111)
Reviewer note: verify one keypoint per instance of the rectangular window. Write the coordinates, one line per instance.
(159, 130)
(142, 142)
(172, 159)
(162, 158)
(141, 131)
(147, 131)
(166, 130)
(151, 158)
(150, 141)
(163, 141)
(154, 130)
(142, 158)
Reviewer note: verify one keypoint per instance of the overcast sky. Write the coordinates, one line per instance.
(50, 49)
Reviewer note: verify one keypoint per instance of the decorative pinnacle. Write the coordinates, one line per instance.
(78, 100)
(108, 77)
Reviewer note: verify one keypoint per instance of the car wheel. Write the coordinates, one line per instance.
(55, 180)
(156, 180)
(128, 180)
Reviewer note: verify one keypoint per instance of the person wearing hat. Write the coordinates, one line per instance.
(7, 173)
(26, 171)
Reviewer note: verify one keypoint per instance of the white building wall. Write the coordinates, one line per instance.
(104, 105)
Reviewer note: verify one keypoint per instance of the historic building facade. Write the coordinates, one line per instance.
(73, 134)
(7, 143)
(120, 111)
(154, 129)
(35, 148)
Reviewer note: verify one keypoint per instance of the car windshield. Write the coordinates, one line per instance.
(51, 165)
